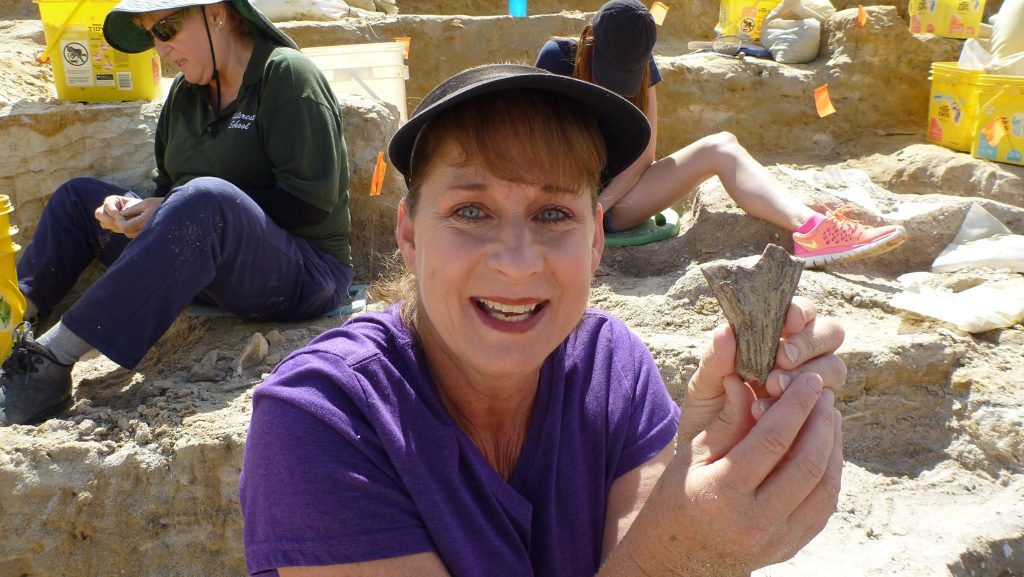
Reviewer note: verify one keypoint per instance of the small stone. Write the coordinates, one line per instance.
(206, 369)
(86, 427)
(274, 338)
(254, 353)
(100, 432)
(961, 380)
(142, 434)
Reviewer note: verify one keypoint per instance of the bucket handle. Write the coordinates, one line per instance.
(45, 56)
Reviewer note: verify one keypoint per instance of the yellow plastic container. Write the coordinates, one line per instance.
(85, 67)
(743, 18)
(952, 105)
(947, 18)
(12, 302)
(1000, 97)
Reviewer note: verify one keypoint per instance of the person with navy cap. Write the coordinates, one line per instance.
(616, 51)
(488, 422)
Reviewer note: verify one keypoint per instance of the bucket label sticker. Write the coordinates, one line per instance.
(985, 150)
(1017, 125)
(77, 63)
(935, 131)
(124, 81)
(956, 25)
(947, 109)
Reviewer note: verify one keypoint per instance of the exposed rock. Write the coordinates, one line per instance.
(274, 339)
(206, 369)
(253, 354)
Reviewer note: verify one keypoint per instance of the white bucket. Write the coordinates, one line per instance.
(373, 70)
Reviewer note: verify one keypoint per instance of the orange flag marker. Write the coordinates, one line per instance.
(377, 180)
(659, 10)
(404, 41)
(823, 101)
(994, 131)
(862, 16)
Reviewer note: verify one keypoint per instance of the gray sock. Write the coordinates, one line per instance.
(65, 345)
(31, 312)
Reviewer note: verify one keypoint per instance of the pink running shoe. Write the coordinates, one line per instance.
(838, 238)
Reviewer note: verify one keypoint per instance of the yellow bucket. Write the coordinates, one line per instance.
(1000, 97)
(952, 105)
(947, 18)
(85, 67)
(12, 302)
(743, 18)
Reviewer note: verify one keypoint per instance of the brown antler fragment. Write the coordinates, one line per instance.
(754, 293)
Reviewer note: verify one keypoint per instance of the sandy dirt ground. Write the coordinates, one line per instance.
(140, 476)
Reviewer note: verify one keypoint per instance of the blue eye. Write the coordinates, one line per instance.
(553, 215)
(469, 212)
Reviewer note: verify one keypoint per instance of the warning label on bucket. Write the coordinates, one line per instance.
(77, 67)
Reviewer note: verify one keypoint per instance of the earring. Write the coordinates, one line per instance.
(220, 24)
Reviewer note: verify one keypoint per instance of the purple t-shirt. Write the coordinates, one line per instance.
(351, 456)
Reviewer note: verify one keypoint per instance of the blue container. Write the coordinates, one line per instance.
(517, 8)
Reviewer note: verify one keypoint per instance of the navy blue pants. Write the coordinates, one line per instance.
(209, 243)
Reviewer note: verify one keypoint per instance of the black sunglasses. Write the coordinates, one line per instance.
(166, 29)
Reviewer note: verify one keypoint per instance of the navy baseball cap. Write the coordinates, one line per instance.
(624, 37)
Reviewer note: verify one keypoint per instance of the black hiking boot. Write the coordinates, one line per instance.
(33, 385)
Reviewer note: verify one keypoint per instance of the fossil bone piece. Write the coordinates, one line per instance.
(754, 293)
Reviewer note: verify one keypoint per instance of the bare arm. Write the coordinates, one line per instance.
(625, 181)
(628, 495)
(418, 565)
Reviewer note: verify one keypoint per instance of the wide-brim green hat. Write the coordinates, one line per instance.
(120, 30)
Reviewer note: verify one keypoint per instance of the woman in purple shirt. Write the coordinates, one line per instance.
(489, 423)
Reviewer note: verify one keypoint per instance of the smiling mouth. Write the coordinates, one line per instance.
(506, 312)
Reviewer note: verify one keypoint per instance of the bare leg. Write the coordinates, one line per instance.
(672, 178)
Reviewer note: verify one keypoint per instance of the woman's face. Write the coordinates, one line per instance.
(503, 268)
(189, 49)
